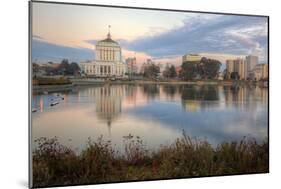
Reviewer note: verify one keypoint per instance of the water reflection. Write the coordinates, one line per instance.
(157, 113)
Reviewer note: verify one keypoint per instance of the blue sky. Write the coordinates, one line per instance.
(64, 31)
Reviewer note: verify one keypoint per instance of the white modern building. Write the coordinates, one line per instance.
(108, 62)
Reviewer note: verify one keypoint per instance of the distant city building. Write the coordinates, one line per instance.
(239, 67)
(191, 58)
(250, 64)
(132, 65)
(108, 62)
(230, 66)
(163, 67)
(148, 62)
(244, 67)
(261, 71)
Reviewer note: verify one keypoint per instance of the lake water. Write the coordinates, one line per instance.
(156, 113)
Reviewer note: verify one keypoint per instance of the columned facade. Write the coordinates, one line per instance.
(108, 62)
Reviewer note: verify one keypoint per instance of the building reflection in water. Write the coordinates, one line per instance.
(111, 98)
(204, 97)
(246, 98)
(197, 97)
(151, 90)
(153, 112)
(108, 100)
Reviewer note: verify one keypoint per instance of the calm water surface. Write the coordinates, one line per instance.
(156, 113)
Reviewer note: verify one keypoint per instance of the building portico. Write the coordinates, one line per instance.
(108, 62)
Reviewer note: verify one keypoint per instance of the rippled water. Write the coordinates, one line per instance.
(156, 113)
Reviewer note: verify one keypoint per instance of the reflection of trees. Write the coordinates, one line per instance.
(244, 96)
(235, 93)
(131, 93)
(196, 92)
(193, 96)
(151, 90)
(170, 90)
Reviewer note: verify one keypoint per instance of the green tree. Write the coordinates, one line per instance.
(189, 70)
(63, 68)
(151, 71)
(166, 72)
(73, 69)
(173, 72)
(226, 74)
(35, 67)
(209, 68)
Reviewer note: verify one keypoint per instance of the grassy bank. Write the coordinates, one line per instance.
(173, 82)
(51, 81)
(55, 164)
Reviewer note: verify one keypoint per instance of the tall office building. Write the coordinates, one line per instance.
(230, 66)
(239, 67)
(261, 71)
(250, 64)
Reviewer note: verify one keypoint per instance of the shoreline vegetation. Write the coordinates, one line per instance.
(56, 84)
(57, 165)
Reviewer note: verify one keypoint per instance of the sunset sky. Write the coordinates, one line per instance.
(71, 31)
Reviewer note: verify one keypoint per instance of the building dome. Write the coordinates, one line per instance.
(108, 41)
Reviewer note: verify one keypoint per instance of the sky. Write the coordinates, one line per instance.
(71, 31)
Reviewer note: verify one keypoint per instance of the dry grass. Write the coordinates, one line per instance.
(55, 164)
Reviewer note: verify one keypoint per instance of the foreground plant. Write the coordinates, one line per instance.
(55, 164)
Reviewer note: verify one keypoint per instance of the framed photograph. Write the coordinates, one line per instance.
(122, 94)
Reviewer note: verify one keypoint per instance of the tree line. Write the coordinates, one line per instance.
(204, 69)
(64, 68)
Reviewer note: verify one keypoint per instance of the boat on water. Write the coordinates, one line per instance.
(128, 137)
(60, 97)
(54, 103)
(34, 110)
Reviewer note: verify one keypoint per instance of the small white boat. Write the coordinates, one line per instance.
(54, 103)
(128, 137)
(34, 110)
(59, 96)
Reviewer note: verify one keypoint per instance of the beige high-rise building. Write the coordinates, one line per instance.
(250, 64)
(230, 66)
(239, 67)
(261, 71)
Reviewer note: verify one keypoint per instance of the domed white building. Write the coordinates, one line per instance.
(108, 62)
